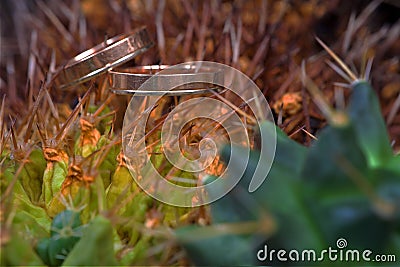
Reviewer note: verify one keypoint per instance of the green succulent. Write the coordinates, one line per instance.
(346, 185)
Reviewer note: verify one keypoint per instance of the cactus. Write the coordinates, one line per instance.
(66, 230)
(95, 247)
(346, 185)
(68, 198)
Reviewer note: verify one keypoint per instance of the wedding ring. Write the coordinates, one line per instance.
(99, 59)
(127, 81)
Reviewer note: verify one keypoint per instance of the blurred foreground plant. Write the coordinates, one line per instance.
(346, 185)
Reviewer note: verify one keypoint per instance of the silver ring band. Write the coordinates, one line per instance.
(99, 59)
(128, 80)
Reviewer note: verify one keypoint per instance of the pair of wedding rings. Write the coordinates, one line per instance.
(107, 56)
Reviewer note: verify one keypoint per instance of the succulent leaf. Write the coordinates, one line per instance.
(367, 120)
(95, 247)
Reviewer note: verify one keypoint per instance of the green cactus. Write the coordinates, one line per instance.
(65, 232)
(346, 185)
(95, 247)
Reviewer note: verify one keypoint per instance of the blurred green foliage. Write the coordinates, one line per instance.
(346, 185)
